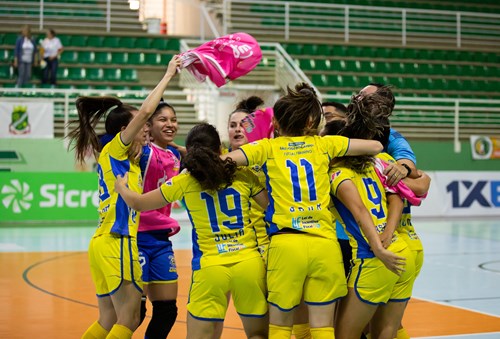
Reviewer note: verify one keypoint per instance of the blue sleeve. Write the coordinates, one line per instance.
(399, 148)
(143, 161)
(175, 151)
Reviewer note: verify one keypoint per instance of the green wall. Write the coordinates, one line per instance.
(50, 155)
(440, 156)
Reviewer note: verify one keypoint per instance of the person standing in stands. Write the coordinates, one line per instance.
(25, 56)
(113, 253)
(159, 163)
(51, 48)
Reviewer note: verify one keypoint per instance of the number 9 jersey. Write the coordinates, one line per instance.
(297, 180)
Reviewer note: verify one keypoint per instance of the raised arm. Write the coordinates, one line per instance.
(139, 202)
(364, 147)
(150, 103)
(348, 194)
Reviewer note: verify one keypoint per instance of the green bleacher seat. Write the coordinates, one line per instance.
(159, 43)
(322, 65)
(119, 58)
(294, 49)
(10, 38)
(111, 42)
(310, 49)
(70, 57)
(143, 42)
(95, 41)
(152, 59)
(127, 42)
(174, 45)
(129, 74)
(112, 74)
(319, 80)
(165, 59)
(135, 58)
(76, 73)
(95, 74)
(78, 41)
(5, 72)
(86, 57)
(102, 57)
(306, 64)
(6, 55)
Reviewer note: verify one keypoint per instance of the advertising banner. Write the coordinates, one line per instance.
(73, 196)
(484, 147)
(26, 119)
(54, 196)
(465, 193)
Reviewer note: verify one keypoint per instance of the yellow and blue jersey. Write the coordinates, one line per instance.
(373, 196)
(114, 214)
(296, 170)
(405, 228)
(221, 220)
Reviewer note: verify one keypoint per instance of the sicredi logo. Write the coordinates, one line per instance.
(18, 197)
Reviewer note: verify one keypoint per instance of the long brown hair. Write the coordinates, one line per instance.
(203, 158)
(90, 110)
(299, 111)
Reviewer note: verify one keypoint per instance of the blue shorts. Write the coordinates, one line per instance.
(156, 257)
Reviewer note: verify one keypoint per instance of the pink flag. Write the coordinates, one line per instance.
(223, 59)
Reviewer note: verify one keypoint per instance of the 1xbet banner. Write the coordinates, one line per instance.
(48, 196)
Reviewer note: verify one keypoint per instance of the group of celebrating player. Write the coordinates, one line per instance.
(264, 217)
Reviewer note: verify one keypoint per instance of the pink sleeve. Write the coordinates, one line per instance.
(400, 188)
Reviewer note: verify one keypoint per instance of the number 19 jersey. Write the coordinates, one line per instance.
(221, 220)
(297, 180)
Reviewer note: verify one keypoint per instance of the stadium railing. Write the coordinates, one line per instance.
(284, 21)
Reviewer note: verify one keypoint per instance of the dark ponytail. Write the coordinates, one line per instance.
(90, 111)
(203, 159)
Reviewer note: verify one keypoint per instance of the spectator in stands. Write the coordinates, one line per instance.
(333, 111)
(25, 56)
(51, 49)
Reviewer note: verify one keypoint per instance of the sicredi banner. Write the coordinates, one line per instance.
(26, 119)
(54, 196)
(48, 196)
(73, 196)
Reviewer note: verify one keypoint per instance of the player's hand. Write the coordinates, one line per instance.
(385, 239)
(395, 173)
(135, 151)
(121, 182)
(393, 262)
(173, 65)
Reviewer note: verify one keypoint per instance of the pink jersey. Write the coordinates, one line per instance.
(226, 58)
(259, 124)
(400, 188)
(158, 166)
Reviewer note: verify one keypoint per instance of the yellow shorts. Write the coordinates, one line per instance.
(114, 258)
(210, 286)
(375, 284)
(419, 261)
(302, 264)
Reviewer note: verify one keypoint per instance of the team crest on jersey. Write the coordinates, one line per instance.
(169, 182)
(334, 175)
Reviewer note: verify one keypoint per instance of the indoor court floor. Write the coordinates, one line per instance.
(46, 290)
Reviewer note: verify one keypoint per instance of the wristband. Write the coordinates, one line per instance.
(408, 168)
